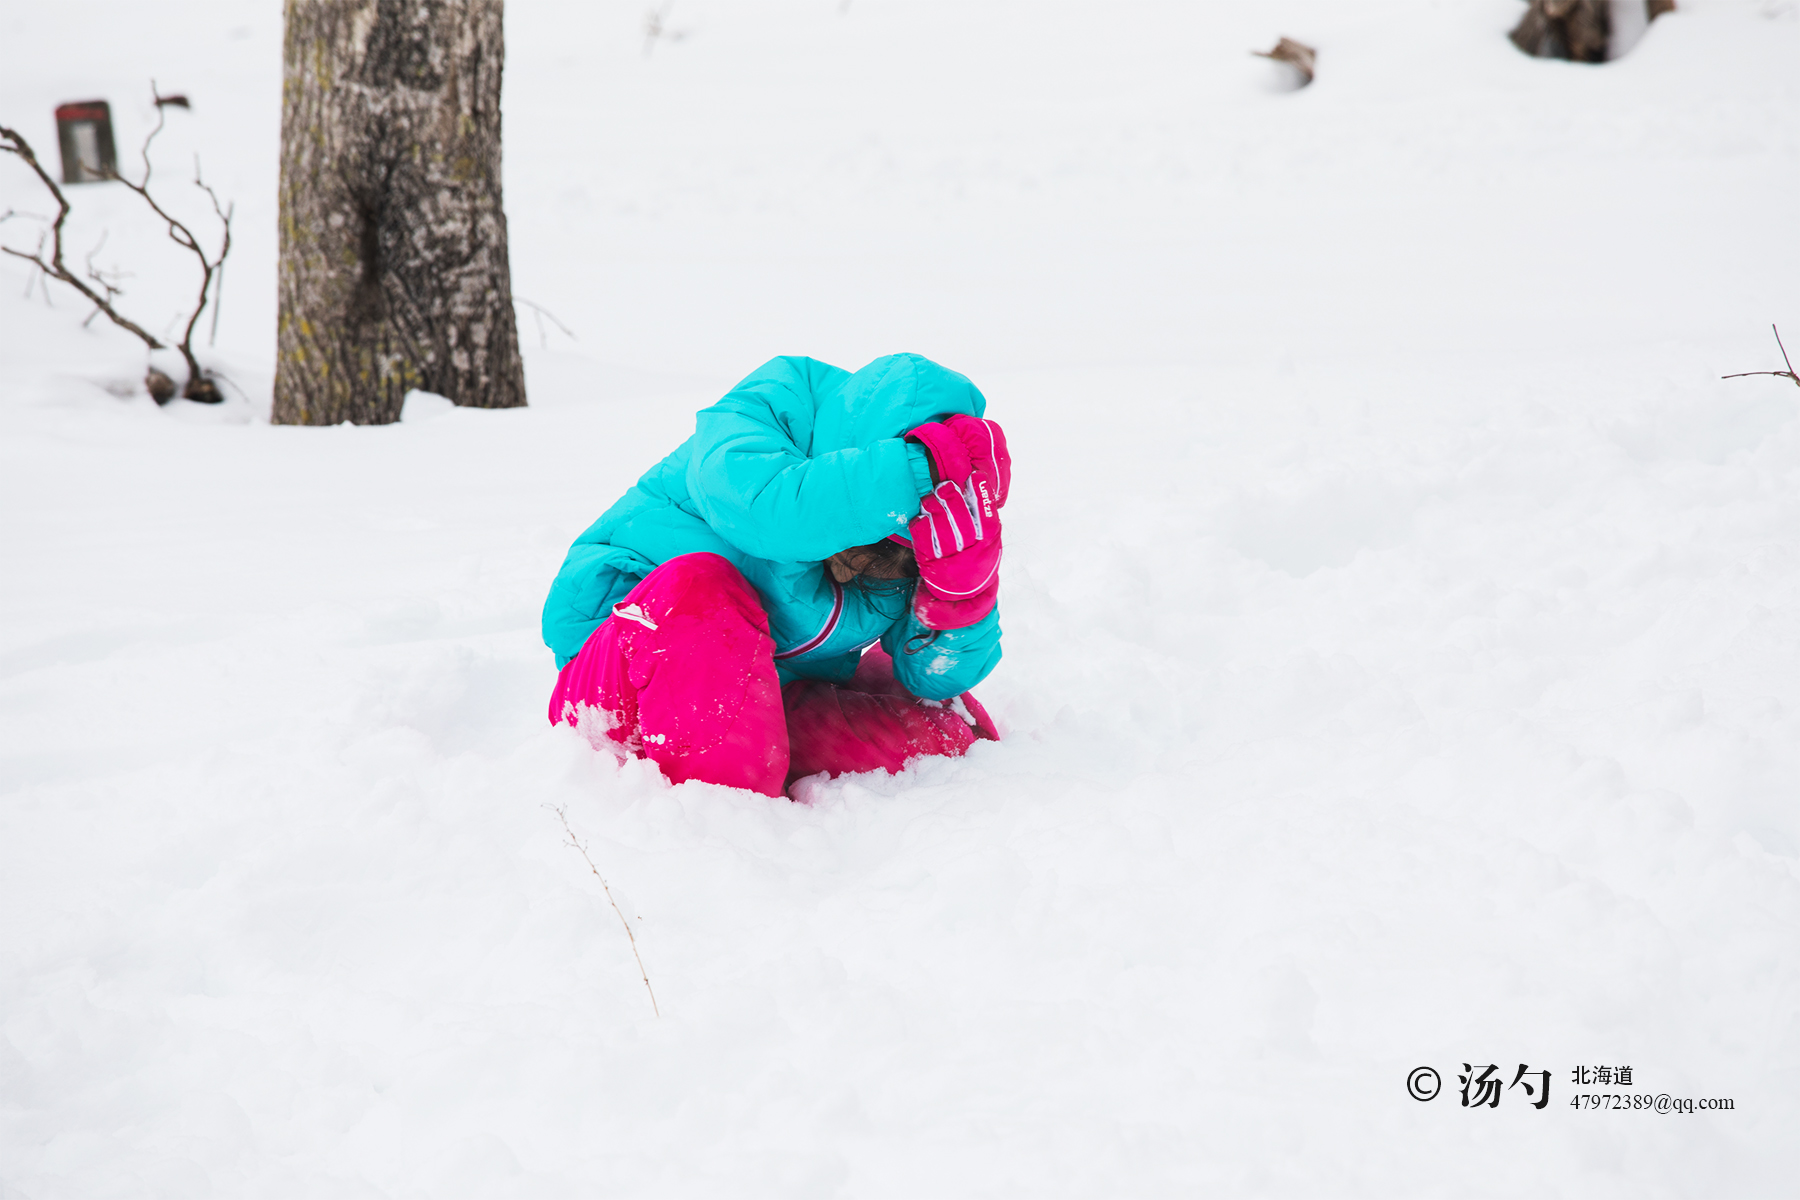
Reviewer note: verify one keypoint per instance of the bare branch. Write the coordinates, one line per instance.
(540, 312)
(562, 814)
(198, 386)
(222, 377)
(13, 142)
(161, 117)
(1787, 374)
(106, 279)
(225, 220)
(218, 302)
(93, 271)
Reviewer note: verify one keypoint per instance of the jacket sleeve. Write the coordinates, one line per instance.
(755, 485)
(593, 577)
(955, 661)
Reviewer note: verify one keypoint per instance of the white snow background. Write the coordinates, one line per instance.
(1402, 628)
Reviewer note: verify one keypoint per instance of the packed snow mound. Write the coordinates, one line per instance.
(1402, 632)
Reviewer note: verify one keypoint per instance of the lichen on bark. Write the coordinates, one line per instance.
(393, 270)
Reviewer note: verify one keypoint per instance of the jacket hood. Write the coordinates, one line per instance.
(887, 398)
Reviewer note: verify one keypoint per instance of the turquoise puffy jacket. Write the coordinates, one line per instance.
(800, 460)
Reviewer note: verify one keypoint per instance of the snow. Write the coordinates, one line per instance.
(1402, 658)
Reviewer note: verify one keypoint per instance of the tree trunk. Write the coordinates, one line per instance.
(393, 271)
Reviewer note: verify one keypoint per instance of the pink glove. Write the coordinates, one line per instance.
(969, 452)
(937, 611)
(956, 536)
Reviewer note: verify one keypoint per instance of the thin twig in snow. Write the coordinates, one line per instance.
(13, 142)
(540, 312)
(108, 280)
(562, 814)
(182, 236)
(1787, 374)
(51, 266)
(224, 378)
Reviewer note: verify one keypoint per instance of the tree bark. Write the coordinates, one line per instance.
(393, 270)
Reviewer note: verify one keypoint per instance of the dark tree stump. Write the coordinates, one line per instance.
(393, 269)
(1573, 29)
(1579, 30)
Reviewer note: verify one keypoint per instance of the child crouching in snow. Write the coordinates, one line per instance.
(721, 619)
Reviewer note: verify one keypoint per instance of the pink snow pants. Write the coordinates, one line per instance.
(683, 673)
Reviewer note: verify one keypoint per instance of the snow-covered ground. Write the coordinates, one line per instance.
(1403, 629)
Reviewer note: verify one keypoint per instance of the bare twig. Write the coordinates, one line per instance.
(562, 814)
(222, 377)
(219, 284)
(1787, 374)
(106, 279)
(13, 142)
(198, 386)
(540, 312)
